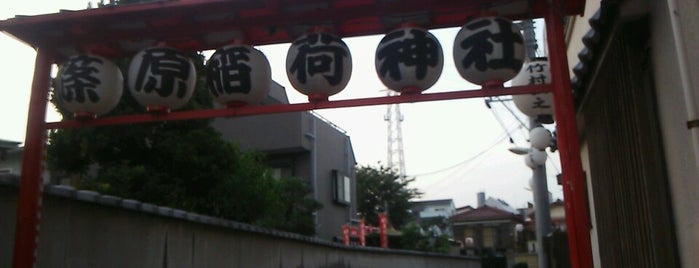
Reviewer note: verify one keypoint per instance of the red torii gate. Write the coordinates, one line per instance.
(195, 25)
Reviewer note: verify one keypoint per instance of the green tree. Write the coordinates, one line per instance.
(414, 238)
(381, 187)
(294, 209)
(180, 164)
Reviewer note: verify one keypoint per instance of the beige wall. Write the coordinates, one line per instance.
(467, 233)
(488, 237)
(80, 234)
(532, 259)
(558, 212)
(594, 237)
(680, 159)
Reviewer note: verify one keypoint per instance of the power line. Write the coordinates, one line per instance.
(497, 118)
(513, 113)
(465, 161)
(490, 147)
(452, 177)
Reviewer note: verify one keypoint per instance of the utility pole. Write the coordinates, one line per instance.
(542, 213)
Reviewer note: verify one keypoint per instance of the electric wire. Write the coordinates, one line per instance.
(461, 167)
(453, 177)
(465, 161)
(513, 113)
(497, 118)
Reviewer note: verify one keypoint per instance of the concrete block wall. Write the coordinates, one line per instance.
(86, 229)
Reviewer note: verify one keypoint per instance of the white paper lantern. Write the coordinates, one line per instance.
(528, 161)
(489, 51)
(89, 85)
(540, 105)
(540, 138)
(318, 65)
(468, 242)
(237, 75)
(409, 60)
(161, 78)
(538, 157)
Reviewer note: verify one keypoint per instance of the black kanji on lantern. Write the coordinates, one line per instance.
(537, 76)
(229, 71)
(480, 46)
(536, 67)
(78, 80)
(537, 79)
(320, 54)
(540, 104)
(162, 70)
(419, 51)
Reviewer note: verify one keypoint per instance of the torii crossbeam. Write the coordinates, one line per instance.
(196, 25)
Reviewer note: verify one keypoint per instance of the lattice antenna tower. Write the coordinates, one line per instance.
(394, 152)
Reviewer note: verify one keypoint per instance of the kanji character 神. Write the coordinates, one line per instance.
(420, 51)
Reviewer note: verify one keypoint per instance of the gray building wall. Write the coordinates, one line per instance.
(85, 229)
(305, 146)
(12, 162)
(273, 133)
(10, 157)
(334, 155)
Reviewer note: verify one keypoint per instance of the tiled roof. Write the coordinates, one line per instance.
(594, 41)
(69, 192)
(420, 206)
(484, 213)
(433, 202)
(122, 30)
(5, 144)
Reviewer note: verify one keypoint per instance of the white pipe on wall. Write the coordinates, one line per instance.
(689, 95)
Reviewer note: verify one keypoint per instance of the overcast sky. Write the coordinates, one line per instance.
(454, 149)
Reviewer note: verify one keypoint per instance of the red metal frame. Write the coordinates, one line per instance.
(297, 107)
(574, 187)
(30, 186)
(185, 24)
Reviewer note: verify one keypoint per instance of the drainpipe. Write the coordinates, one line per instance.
(348, 169)
(311, 136)
(689, 97)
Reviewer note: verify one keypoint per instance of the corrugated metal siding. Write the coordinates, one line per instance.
(632, 204)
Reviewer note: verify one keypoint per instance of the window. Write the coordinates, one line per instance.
(277, 173)
(342, 192)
